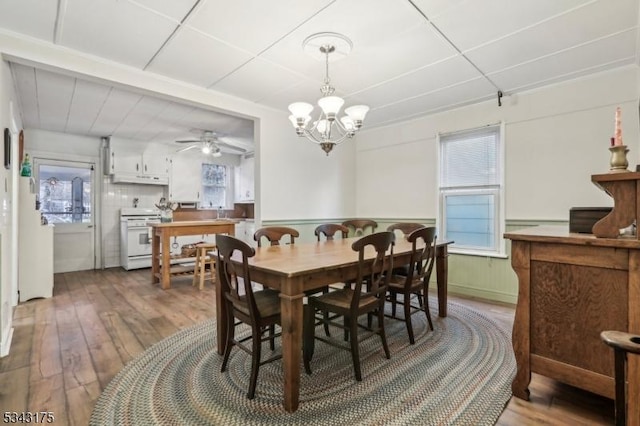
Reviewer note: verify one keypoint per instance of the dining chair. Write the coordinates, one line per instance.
(360, 225)
(367, 296)
(416, 281)
(405, 228)
(260, 309)
(274, 234)
(330, 229)
(622, 344)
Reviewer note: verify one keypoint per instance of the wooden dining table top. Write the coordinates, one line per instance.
(291, 260)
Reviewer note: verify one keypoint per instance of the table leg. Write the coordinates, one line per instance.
(291, 312)
(442, 270)
(165, 281)
(155, 256)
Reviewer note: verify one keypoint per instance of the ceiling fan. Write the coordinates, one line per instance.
(210, 144)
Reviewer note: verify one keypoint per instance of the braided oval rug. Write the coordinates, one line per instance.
(459, 374)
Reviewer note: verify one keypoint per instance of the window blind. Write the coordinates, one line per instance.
(470, 159)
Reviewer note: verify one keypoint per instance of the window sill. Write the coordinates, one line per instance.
(453, 250)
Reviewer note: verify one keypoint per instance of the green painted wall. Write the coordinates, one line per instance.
(484, 277)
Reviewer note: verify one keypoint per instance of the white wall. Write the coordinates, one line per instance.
(8, 262)
(556, 138)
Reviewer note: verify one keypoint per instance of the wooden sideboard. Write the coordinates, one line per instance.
(572, 287)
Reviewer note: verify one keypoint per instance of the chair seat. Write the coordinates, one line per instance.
(397, 284)
(267, 301)
(341, 300)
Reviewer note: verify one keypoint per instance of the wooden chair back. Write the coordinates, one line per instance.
(274, 234)
(622, 344)
(405, 227)
(373, 275)
(330, 229)
(423, 254)
(360, 225)
(235, 279)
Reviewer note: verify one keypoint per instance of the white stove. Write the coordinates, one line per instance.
(135, 237)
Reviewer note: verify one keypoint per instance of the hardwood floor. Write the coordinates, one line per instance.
(66, 349)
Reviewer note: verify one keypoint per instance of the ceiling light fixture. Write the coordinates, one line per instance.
(327, 130)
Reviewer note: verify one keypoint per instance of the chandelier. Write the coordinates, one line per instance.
(327, 130)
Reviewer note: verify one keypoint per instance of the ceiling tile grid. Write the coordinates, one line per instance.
(409, 57)
(115, 30)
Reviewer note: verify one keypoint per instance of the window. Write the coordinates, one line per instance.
(215, 180)
(65, 194)
(471, 191)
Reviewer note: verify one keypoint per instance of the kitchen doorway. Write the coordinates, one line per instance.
(66, 195)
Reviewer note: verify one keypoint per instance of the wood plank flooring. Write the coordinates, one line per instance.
(66, 349)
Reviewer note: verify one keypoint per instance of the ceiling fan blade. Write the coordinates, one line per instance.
(188, 148)
(188, 141)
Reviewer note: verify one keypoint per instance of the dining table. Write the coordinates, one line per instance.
(296, 268)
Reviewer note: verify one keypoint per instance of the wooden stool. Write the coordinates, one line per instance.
(202, 259)
(622, 343)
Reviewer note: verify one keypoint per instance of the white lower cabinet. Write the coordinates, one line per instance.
(35, 247)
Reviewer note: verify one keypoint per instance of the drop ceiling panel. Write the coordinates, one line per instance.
(196, 58)
(610, 50)
(434, 8)
(366, 22)
(34, 18)
(25, 81)
(88, 99)
(238, 22)
(425, 80)
(306, 91)
(571, 30)
(473, 23)
(401, 53)
(55, 92)
(116, 108)
(144, 112)
(256, 80)
(451, 97)
(174, 9)
(116, 30)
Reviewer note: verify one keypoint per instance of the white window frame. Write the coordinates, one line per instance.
(228, 187)
(498, 191)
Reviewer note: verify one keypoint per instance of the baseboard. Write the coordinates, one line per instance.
(6, 345)
(483, 293)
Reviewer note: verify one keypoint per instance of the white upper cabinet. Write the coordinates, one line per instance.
(137, 162)
(185, 181)
(245, 183)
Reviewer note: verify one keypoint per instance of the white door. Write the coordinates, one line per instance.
(66, 195)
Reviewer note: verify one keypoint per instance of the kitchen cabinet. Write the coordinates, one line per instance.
(245, 230)
(35, 246)
(245, 180)
(137, 162)
(185, 179)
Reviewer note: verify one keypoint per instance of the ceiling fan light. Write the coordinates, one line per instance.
(217, 153)
(357, 112)
(331, 105)
(206, 148)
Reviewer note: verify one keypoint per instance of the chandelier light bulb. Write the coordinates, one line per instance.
(322, 126)
(301, 110)
(357, 112)
(348, 124)
(331, 105)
